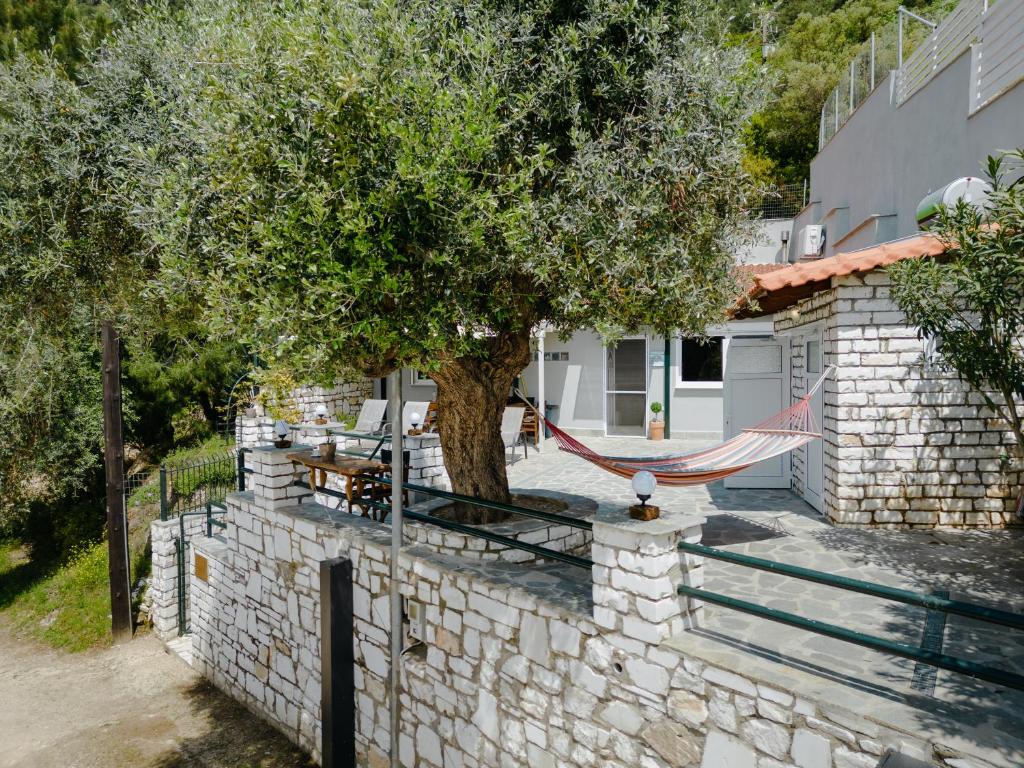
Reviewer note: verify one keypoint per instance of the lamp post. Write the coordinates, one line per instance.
(644, 485)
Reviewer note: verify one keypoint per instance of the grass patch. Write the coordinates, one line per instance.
(66, 606)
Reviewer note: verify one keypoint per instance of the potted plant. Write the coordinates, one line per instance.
(656, 429)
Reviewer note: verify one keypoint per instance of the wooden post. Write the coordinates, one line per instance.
(113, 458)
(337, 674)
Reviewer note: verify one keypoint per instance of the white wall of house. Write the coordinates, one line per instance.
(577, 386)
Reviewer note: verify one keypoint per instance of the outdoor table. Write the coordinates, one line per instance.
(360, 476)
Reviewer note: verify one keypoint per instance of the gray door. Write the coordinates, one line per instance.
(756, 388)
(627, 388)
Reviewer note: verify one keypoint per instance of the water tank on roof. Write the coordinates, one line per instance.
(969, 189)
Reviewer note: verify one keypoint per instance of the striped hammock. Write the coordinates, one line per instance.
(773, 437)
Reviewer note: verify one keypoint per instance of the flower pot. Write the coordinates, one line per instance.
(656, 430)
(327, 451)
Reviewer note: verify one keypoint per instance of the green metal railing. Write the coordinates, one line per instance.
(190, 486)
(931, 602)
(215, 493)
(471, 530)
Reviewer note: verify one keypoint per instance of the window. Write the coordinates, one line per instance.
(701, 359)
(418, 377)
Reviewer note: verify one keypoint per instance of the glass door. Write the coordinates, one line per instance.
(627, 388)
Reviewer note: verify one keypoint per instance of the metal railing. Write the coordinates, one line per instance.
(997, 59)
(213, 505)
(876, 57)
(190, 486)
(948, 39)
(466, 528)
(930, 602)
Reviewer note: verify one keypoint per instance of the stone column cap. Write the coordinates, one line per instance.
(670, 521)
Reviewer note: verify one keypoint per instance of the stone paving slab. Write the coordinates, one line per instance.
(979, 566)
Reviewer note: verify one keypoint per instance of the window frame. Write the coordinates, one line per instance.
(680, 382)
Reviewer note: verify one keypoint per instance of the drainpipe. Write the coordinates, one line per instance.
(395, 406)
(668, 387)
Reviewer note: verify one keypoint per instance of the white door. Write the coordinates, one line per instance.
(627, 388)
(756, 388)
(815, 469)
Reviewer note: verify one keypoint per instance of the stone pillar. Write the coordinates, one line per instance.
(637, 568)
(273, 476)
(426, 464)
(162, 589)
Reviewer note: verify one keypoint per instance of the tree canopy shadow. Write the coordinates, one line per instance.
(236, 738)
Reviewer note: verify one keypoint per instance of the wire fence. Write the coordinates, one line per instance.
(881, 53)
(783, 201)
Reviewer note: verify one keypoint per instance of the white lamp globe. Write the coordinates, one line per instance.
(644, 484)
(281, 428)
(321, 411)
(415, 419)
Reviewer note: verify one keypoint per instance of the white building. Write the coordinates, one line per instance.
(905, 443)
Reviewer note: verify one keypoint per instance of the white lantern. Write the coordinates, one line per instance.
(415, 419)
(281, 429)
(321, 411)
(644, 484)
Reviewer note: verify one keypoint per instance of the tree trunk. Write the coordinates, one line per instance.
(471, 396)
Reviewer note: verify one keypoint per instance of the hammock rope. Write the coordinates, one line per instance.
(785, 431)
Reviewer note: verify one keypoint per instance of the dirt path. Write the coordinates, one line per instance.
(134, 705)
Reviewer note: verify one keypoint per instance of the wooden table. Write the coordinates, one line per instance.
(359, 488)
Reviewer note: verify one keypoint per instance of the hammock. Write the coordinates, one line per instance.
(783, 432)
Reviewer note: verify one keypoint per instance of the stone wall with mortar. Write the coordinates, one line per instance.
(559, 538)
(906, 444)
(162, 586)
(257, 427)
(539, 667)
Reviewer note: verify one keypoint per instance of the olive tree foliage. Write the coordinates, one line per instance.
(69, 256)
(972, 300)
(413, 183)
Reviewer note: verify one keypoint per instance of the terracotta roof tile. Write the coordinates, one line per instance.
(778, 288)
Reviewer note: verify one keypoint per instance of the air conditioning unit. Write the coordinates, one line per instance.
(810, 241)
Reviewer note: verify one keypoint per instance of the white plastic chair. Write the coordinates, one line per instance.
(511, 429)
(371, 417)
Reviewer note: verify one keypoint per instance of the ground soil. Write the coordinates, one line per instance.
(538, 503)
(132, 705)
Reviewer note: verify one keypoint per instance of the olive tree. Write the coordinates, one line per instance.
(414, 183)
(972, 299)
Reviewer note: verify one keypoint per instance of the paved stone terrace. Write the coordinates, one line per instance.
(985, 567)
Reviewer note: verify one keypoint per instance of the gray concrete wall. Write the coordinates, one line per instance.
(886, 158)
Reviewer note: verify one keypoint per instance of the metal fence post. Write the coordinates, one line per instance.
(872, 61)
(240, 458)
(853, 82)
(899, 39)
(337, 702)
(165, 506)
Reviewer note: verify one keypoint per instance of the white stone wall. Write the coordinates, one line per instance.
(905, 446)
(563, 670)
(344, 397)
(162, 587)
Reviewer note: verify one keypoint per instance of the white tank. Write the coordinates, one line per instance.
(970, 189)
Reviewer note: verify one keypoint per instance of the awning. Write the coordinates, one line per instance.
(781, 288)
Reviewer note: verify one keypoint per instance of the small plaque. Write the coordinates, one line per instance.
(202, 568)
